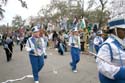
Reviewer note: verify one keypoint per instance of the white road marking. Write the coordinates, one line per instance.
(19, 79)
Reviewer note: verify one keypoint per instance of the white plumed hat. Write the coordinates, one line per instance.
(35, 29)
(117, 23)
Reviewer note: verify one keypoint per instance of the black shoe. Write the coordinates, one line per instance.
(45, 56)
(9, 60)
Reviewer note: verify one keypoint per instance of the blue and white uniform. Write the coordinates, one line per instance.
(113, 53)
(74, 42)
(98, 40)
(36, 48)
(36, 54)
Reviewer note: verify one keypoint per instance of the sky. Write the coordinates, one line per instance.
(14, 8)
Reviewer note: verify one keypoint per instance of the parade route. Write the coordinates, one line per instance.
(56, 68)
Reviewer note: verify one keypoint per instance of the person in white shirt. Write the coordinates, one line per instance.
(50, 26)
(35, 46)
(98, 40)
(111, 55)
(74, 43)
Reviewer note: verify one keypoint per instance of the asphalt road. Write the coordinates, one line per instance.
(56, 68)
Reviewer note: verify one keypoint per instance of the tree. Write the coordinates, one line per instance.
(17, 21)
(103, 3)
(65, 7)
(117, 8)
(4, 2)
(1, 12)
(59, 7)
(102, 14)
(23, 3)
(62, 7)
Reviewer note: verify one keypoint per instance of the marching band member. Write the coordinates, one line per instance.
(74, 43)
(35, 47)
(98, 40)
(112, 67)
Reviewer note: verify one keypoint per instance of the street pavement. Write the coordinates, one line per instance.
(56, 68)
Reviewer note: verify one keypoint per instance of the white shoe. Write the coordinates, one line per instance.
(75, 71)
(29, 76)
(36, 81)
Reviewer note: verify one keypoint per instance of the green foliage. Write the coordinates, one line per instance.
(100, 14)
(23, 3)
(17, 21)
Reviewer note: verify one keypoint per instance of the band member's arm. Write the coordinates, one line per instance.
(43, 45)
(109, 70)
(96, 41)
(70, 41)
(28, 46)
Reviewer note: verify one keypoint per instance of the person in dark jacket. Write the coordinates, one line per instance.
(54, 38)
(8, 47)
